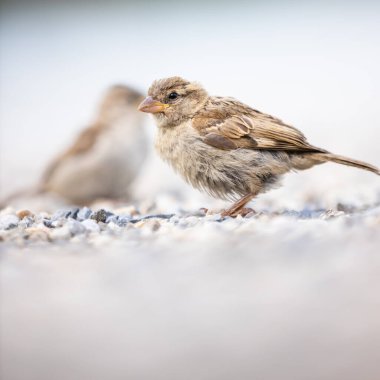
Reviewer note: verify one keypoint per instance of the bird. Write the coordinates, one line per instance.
(226, 148)
(106, 157)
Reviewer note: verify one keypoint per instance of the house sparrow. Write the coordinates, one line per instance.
(106, 157)
(225, 147)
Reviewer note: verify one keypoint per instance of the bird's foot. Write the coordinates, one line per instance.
(244, 212)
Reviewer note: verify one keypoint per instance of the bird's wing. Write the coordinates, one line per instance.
(225, 123)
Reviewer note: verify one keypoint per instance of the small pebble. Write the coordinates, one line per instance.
(48, 223)
(158, 216)
(114, 227)
(190, 221)
(23, 213)
(65, 213)
(61, 233)
(331, 214)
(201, 212)
(26, 222)
(112, 219)
(123, 221)
(75, 227)
(8, 222)
(151, 224)
(84, 213)
(101, 215)
(91, 225)
(36, 234)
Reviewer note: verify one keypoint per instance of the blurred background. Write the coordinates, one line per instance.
(314, 65)
(278, 298)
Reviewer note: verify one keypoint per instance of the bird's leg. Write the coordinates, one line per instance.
(238, 207)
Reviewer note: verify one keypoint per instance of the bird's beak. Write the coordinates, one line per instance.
(152, 106)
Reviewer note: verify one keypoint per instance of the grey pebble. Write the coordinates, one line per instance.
(157, 216)
(65, 213)
(112, 219)
(122, 221)
(48, 223)
(83, 214)
(26, 222)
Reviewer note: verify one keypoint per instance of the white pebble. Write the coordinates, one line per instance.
(76, 227)
(91, 225)
(8, 221)
(61, 233)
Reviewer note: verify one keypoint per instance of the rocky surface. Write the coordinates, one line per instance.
(75, 224)
(138, 292)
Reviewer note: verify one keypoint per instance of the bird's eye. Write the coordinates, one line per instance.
(172, 96)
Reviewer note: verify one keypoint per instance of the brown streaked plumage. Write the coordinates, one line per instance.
(106, 157)
(225, 147)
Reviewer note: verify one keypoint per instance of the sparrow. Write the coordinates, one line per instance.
(106, 157)
(226, 148)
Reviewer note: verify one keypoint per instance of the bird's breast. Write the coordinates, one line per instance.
(179, 147)
(220, 173)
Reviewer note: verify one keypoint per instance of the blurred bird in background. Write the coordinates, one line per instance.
(105, 158)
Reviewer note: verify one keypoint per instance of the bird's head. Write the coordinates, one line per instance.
(118, 101)
(173, 100)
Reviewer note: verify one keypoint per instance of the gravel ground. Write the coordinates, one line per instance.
(119, 294)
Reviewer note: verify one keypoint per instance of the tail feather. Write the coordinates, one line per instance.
(346, 161)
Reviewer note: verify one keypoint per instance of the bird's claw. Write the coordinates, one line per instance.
(244, 212)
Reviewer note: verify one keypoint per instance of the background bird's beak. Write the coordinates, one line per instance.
(152, 106)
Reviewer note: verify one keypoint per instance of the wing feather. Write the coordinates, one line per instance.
(240, 126)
